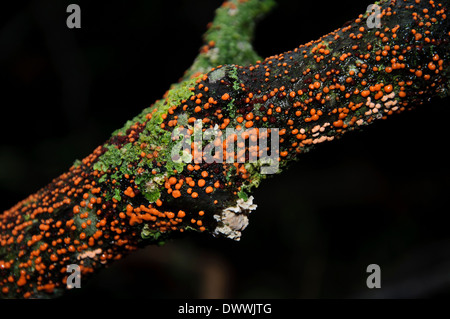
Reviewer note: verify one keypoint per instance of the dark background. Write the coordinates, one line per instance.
(378, 196)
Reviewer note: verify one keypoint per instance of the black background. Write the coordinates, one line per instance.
(377, 196)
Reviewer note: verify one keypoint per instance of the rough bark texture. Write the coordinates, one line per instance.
(131, 191)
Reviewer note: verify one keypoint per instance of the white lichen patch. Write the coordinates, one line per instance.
(232, 12)
(216, 75)
(155, 182)
(213, 55)
(244, 46)
(233, 220)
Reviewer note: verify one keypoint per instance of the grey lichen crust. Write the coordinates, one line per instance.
(234, 219)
